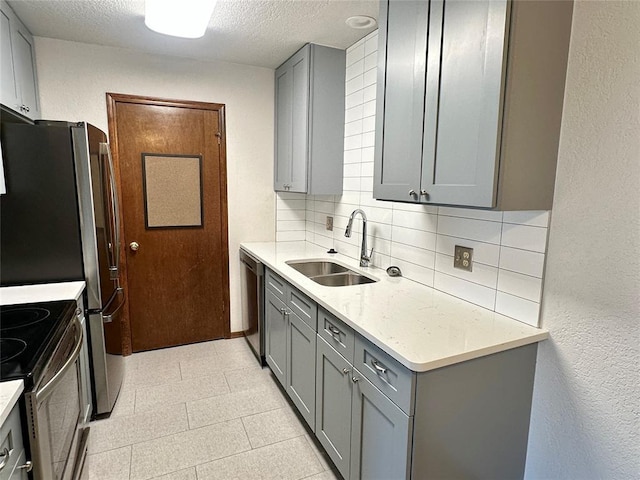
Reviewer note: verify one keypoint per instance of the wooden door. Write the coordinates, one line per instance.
(170, 157)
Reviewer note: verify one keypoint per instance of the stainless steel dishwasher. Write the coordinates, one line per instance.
(252, 281)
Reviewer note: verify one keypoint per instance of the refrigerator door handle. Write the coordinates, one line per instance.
(115, 211)
(108, 317)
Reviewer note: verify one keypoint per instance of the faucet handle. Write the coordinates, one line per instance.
(368, 257)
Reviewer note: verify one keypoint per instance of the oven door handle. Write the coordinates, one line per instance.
(48, 389)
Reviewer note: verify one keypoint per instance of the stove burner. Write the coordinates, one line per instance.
(11, 348)
(22, 317)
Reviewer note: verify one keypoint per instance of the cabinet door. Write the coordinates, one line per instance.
(467, 43)
(275, 337)
(25, 65)
(401, 83)
(292, 116)
(301, 368)
(8, 85)
(380, 435)
(333, 405)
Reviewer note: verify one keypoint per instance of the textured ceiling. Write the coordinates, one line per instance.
(252, 32)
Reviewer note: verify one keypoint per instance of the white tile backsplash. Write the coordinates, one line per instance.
(509, 247)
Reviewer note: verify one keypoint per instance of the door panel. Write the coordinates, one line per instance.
(275, 337)
(301, 368)
(178, 278)
(463, 101)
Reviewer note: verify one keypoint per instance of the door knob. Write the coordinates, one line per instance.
(134, 246)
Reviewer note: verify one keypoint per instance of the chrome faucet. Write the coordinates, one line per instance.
(364, 258)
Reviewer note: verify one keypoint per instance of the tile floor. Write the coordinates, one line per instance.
(204, 411)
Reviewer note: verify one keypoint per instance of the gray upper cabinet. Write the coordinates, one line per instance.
(470, 101)
(19, 87)
(309, 118)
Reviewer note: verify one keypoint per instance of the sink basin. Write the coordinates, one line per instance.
(329, 274)
(342, 279)
(314, 268)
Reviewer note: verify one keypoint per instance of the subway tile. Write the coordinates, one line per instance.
(353, 156)
(515, 307)
(369, 93)
(524, 237)
(366, 184)
(343, 247)
(481, 274)
(354, 99)
(368, 154)
(320, 217)
(325, 207)
(426, 222)
(367, 169)
(291, 214)
(290, 204)
(371, 43)
(520, 285)
(348, 198)
(310, 236)
(353, 142)
(416, 255)
(471, 213)
(355, 69)
(369, 124)
(379, 260)
(290, 195)
(370, 77)
(377, 240)
(354, 113)
(355, 84)
(290, 236)
(290, 225)
(471, 292)
(415, 238)
(351, 184)
(325, 198)
(379, 214)
(369, 108)
(531, 218)
(356, 44)
(371, 61)
(415, 207)
(355, 53)
(353, 128)
(486, 253)
(522, 261)
(417, 273)
(324, 241)
(368, 139)
(481, 230)
(352, 170)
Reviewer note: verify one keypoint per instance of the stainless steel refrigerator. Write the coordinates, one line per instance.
(59, 222)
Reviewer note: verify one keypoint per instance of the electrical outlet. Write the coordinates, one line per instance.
(329, 223)
(463, 258)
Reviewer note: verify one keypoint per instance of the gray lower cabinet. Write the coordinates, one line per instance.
(290, 343)
(18, 82)
(12, 452)
(469, 101)
(364, 433)
(309, 121)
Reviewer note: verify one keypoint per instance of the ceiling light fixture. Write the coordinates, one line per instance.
(179, 18)
(360, 22)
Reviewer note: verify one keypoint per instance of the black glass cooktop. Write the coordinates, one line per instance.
(28, 335)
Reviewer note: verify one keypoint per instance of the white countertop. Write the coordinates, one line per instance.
(44, 292)
(420, 327)
(9, 395)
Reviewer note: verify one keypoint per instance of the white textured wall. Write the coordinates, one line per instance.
(585, 421)
(74, 78)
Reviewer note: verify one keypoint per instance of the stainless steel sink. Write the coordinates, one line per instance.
(329, 274)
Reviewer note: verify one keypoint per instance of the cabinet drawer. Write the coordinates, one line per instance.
(302, 306)
(11, 439)
(393, 379)
(336, 333)
(276, 285)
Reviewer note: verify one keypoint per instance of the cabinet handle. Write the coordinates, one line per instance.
(378, 367)
(424, 193)
(412, 193)
(355, 379)
(345, 370)
(27, 467)
(5, 454)
(334, 331)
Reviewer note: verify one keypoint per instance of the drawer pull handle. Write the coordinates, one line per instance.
(345, 370)
(355, 379)
(378, 367)
(27, 467)
(334, 331)
(5, 454)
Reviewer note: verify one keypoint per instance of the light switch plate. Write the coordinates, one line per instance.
(463, 258)
(329, 223)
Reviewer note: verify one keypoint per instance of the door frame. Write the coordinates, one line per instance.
(112, 99)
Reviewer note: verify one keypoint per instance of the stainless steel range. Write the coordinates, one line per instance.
(41, 344)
